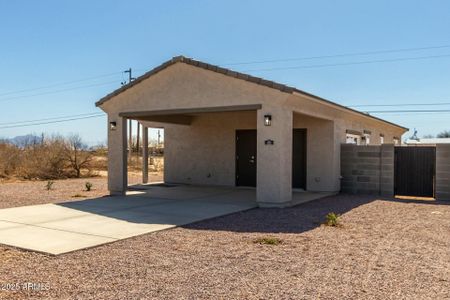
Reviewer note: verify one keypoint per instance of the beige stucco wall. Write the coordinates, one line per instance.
(342, 120)
(203, 153)
(186, 86)
(319, 158)
(274, 169)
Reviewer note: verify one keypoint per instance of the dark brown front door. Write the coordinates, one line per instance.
(299, 159)
(246, 157)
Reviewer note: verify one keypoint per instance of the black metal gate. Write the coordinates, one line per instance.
(414, 171)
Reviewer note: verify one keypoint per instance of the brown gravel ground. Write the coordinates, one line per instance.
(385, 249)
(22, 193)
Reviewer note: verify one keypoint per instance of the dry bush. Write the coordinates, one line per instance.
(58, 157)
(9, 159)
(53, 158)
(157, 164)
(98, 162)
(44, 161)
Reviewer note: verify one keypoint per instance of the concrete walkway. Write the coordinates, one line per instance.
(66, 227)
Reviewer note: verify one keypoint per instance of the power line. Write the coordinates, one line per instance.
(97, 115)
(52, 122)
(400, 104)
(410, 111)
(48, 119)
(336, 55)
(252, 62)
(58, 91)
(260, 62)
(59, 84)
(349, 63)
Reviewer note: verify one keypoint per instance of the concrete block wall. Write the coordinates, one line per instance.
(443, 172)
(367, 169)
(387, 169)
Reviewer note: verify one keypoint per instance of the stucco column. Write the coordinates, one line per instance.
(274, 161)
(117, 155)
(144, 154)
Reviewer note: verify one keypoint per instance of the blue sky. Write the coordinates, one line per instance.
(51, 42)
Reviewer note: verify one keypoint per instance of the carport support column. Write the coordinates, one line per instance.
(144, 154)
(274, 161)
(117, 155)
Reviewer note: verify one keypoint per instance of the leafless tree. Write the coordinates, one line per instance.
(77, 154)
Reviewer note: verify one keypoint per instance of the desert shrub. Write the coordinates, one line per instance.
(100, 150)
(332, 219)
(157, 163)
(55, 157)
(88, 186)
(9, 159)
(49, 185)
(43, 161)
(268, 241)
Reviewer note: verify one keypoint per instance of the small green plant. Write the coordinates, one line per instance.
(88, 186)
(268, 241)
(332, 219)
(49, 185)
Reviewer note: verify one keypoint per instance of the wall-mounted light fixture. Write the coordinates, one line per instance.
(112, 125)
(267, 120)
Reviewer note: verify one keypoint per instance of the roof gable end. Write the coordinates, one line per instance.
(242, 76)
(206, 66)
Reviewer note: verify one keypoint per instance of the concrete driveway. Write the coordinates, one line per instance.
(70, 226)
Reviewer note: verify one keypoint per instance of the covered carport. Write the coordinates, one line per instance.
(182, 148)
(204, 139)
(225, 128)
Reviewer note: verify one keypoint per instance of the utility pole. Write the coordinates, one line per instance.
(130, 129)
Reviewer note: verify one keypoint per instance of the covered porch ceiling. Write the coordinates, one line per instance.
(184, 116)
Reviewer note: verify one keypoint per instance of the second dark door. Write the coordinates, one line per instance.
(299, 159)
(246, 157)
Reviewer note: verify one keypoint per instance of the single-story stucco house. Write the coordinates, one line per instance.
(227, 128)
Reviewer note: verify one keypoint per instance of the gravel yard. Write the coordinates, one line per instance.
(385, 249)
(22, 193)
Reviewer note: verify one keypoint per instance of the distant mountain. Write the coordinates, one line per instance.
(24, 140)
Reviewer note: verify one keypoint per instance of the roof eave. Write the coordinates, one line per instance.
(300, 92)
(268, 83)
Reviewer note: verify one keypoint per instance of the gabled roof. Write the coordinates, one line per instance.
(257, 80)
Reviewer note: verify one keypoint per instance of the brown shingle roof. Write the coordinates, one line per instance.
(257, 80)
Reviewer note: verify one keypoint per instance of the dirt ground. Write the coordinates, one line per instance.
(385, 249)
(20, 193)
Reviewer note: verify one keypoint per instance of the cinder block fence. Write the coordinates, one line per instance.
(367, 169)
(443, 172)
(370, 170)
